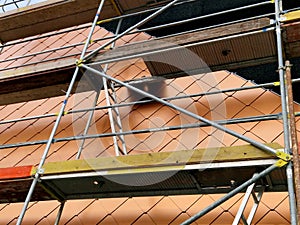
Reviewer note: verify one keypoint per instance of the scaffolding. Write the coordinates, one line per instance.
(93, 65)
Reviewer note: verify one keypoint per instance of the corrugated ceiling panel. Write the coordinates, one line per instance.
(234, 50)
(263, 44)
(242, 48)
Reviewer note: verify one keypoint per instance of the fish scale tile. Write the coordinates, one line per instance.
(146, 210)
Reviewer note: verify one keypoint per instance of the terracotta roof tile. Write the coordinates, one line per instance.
(17, 156)
(274, 129)
(94, 213)
(146, 203)
(233, 106)
(42, 213)
(108, 220)
(248, 96)
(224, 218)
(182, 218)
(127, 213)
(267, 103)
(33, 156)
(111, 205)
(144, 219)
(184, 202)
(279, 139)
(203, 202)
(232, 81)
(146, 210)
(273, 217)
(164, 211)
(9, 213)
(283, 208)
(57, 153)
(73, 209)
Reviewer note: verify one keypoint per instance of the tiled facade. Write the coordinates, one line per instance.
(144, 210)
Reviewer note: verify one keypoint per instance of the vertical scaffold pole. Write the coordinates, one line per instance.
(39, 171)
(286, 129)
(110, 110)
(87, 126)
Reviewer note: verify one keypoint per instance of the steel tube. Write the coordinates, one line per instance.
(240, 213)
(214, 124)
(59, 214)
(271, 84)
(55, 127)
(89, 56)
(257, 199)
(230, 194)
(86, 129)
(110, 116)
(283, 92)
(151, 130)
(106, 90)
(200, 29)
(158, 129)
(47, 148)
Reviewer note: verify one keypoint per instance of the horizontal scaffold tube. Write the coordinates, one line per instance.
(150, 130)
(110, 37)
(265, 85)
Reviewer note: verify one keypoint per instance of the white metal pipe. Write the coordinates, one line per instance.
(59, 214)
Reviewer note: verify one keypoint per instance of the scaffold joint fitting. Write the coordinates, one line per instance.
(281, 163)
(284, 156)
(41, 171)
(79, 62)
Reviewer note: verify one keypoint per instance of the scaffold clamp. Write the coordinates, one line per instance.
(79, 62)
(281, 163)
(283, 156)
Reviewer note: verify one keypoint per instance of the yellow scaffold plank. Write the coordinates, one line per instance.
(162, 159)
(293, 15)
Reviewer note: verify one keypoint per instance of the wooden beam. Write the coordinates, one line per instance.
(177, 159)
(35, 82)
(49, 16)
(182, 39)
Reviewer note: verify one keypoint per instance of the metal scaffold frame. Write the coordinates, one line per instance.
(84, 62)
